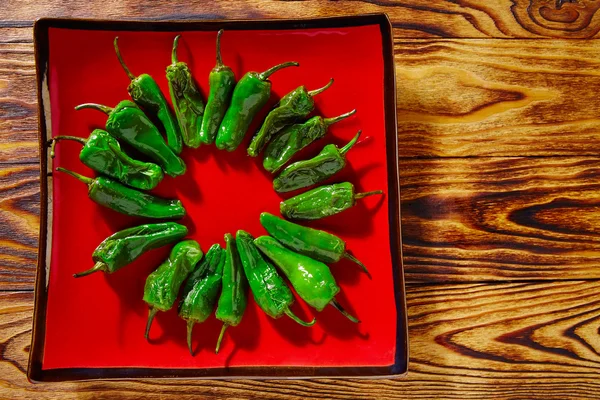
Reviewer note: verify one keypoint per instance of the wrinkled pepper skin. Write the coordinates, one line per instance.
(127, 122)
(319, 245)
(102, 153)
(326, 164)
(322, 202)
(249, 95)
(201, 290)
(124, 247)
(221, 81)
(145, 92)
(186, 98)
(128, 201)
(293, 106)
(270, 291)
(296, 137)
(162, 285)
(233, 299)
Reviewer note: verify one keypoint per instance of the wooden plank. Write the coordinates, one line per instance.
(535, 340)
(463, 220)
(415, 18)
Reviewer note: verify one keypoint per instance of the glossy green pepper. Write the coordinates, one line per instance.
(311, 278)
(162, 285)
(102, 153)
(127, 122)
(186, 99)
(314, 243)
(323, 201)
(233, 299)
(128, 201)
(271, 293)
(296, 137)
(250, 95)
(201, 290)
(222, 82)
(301, 174)
(124, 247)
(145, 92)
(293, 106)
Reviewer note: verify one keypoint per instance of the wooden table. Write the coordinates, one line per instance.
(498, 106)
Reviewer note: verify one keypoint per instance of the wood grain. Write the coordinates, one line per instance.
(483, 219)
(536, 340)
(460, 98)
(416, 18)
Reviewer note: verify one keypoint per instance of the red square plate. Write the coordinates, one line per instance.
(93, 327)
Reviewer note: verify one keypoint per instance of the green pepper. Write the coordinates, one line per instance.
(128, 123)
(306, 173)
(145, 92)
(162, 285)
(222, 82)
(201, 290)
(296, 137)
(270, 291)
(186, 98)
(293, 106)
(102, 153)
(323, 201)
(232, 302)
(128, 201)
(320, 245)
(250, 95)
(124, 247)
(311, 278)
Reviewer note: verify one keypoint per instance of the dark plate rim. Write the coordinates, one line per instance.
(35, 373)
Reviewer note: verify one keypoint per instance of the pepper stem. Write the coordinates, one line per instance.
(56, 139)
(315, 92)
(84, 179)
(265, 75)
(151, 314)
(350, 144)
(99, 266)
(366, 194)
(219, 60)
(356, 260)
(127, 71)
(293, 316)
(105, 109)
(220, 338)
(331, 121)
(190, 328)
(339, 307)
(174, 50)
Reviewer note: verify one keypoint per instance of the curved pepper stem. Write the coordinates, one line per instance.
(220, 338)
(350, 144)
(82, 178)
(190, 329)
(127, 71)
(315, 92)
(265, 75)
(356, 260)
(339, 307)
(219, 59)
(331, 121)
(174, 50)
(366, 194)
(94, 106)
(56, 139)
(293, 316)
(151, 314)
(99, 266)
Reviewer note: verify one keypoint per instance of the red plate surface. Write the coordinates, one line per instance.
(98, 321)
